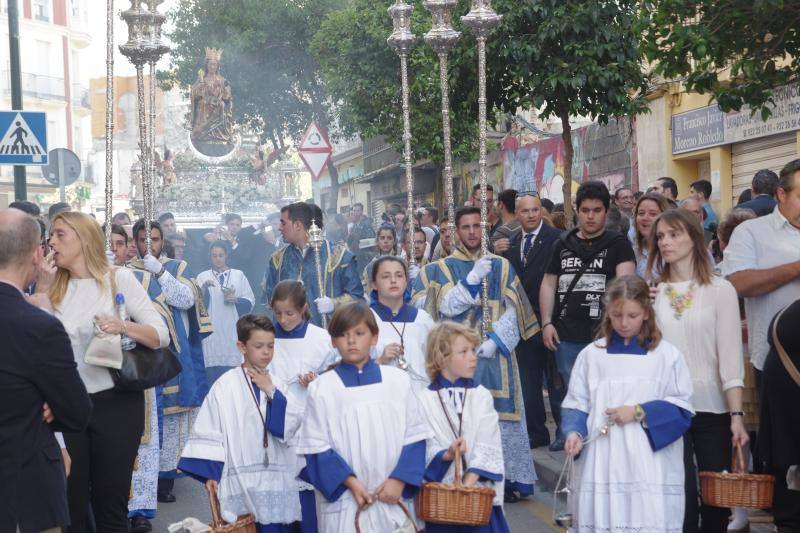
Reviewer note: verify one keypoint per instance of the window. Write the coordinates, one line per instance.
(43, 10)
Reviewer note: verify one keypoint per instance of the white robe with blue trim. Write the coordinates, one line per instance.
(229, 430)
(620, 483)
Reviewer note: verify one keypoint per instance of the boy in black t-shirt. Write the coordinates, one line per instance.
(582, 263)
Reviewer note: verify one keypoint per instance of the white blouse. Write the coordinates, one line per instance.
(84, 300)
(709, 334)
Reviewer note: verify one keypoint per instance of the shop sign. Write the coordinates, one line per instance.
(709, 126)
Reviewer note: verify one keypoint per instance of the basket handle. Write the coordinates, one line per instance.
(216, 520)
(457, 459)
(738, 459)
(403, 507)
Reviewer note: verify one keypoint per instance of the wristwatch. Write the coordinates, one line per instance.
(161, 273)
(638, 413)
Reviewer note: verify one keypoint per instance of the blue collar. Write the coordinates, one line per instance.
(351, 376)
(407, 313)
(299, 332)
(617, 346)
(443, 383)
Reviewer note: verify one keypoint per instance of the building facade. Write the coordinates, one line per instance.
(54, 37)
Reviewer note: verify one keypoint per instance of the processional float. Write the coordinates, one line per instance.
(481, 20)
(144, 46)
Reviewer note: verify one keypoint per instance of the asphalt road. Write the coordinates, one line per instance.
(532, 515)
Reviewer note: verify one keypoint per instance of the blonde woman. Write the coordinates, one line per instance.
(698, 312)
(78, 289)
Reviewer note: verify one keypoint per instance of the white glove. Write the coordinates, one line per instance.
(488, 349)
(480, 270)
(413, 271)
(324, 305)
(112, 258)
(151, 264)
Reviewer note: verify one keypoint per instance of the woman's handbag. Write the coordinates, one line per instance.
(104, 350)
(243, 524)
(408, 526)
(141, 368)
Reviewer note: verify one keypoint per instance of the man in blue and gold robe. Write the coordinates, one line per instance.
(172, 288)
(450, 289)
(297, 261)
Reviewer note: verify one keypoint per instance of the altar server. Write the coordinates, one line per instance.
(403, 329)
(228, 296)
(462, 415)
(363, 434)
(238, 445)
(632, 478)
(302, 351)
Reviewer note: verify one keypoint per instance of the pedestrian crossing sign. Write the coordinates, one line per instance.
(24, 140)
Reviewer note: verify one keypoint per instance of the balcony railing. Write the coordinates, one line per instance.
(37, 86)
(80, 95)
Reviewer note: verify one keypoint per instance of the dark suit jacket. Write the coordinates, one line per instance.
(763, 204)
(532, 272)
(36, 366)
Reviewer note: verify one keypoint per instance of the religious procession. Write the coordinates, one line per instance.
(400, 266)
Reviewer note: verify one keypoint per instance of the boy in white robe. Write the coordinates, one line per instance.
(238, 445)
(403, 329)
(632, 478)
(363, 434)
(462, 415)
(227, 295)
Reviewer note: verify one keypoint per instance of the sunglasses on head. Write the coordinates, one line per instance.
(532, 192)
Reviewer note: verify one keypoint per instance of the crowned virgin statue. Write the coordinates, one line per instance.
(212, 109)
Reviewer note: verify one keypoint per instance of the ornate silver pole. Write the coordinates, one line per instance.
(402, 40)
(315, 240)
(482, 20)
(136, 50)
(442, 38)
(109, 119)
(156, 49)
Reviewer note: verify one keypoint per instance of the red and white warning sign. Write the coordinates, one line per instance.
(315, 150)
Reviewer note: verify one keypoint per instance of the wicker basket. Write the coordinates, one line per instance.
(243, 524)
(403, 507)
(442, 503)
(737, 489)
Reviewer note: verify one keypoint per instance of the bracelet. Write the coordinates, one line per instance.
(545, 325)
(737, 413)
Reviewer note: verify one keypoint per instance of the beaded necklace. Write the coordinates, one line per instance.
(680, 302)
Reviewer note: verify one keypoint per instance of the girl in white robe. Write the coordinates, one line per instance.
(462, 415)
(632, 478)
(239, 442)
(301, 352)
(227, 295)
(403, 329)
(362, 434)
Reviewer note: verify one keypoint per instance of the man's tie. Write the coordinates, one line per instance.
(221, 279)
(527, 246)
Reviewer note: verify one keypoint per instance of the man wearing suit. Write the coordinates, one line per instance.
(764, 184)
(529, 253)
(40, 390)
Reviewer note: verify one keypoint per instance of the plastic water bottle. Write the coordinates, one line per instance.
(126, 342)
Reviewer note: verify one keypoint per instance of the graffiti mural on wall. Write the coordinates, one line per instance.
(605, 153)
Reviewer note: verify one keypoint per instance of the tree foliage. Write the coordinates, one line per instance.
(266, 59)
(362, 73)
(736, 50)
(568, 59)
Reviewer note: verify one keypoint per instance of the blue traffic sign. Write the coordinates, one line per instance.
(24, 140)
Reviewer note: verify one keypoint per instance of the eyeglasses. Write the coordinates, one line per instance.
(523, 194)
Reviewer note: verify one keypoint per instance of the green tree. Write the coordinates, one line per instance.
(738, 51)
(568, 59)
(266, 59)
(362, 74)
